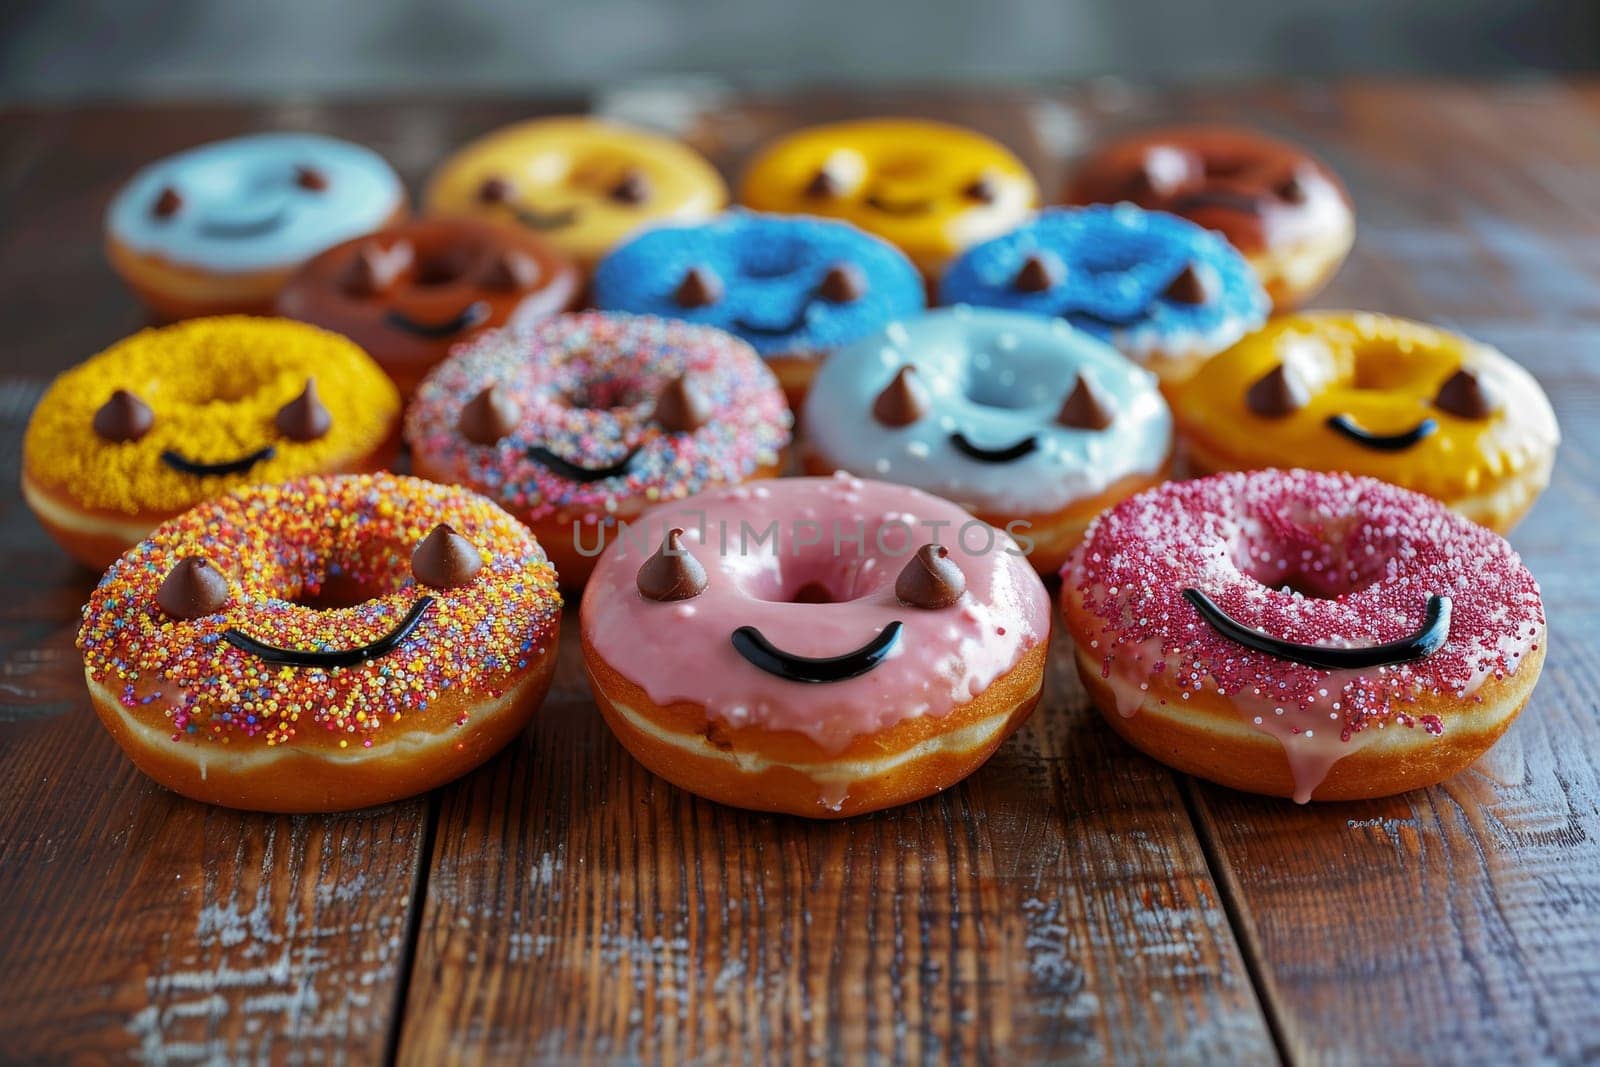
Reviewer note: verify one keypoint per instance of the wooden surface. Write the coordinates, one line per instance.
(1071, 901)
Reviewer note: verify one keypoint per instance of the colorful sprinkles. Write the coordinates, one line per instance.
(285, 549)
(585, 385)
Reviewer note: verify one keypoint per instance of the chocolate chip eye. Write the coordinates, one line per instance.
(167, 204)
(310, 179)
(632, 188)
(681, 407)
(1160, 172)
(930, 579)
(123, 418)
(494, 190)
(1191, 286)
(903, 401)
(1463, 395)
(1039, 273)
(823, 185)
(1085, 408)
(1277, 393)
(699, 288)
(305, 418)
(511, 271)
(843, 284)
(445, 560)
(671, 573)
(1292, 189)
(193, 589)
(488, 417)
(375, 269)
(982, 189)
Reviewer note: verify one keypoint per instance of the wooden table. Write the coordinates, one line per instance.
(1072, 900)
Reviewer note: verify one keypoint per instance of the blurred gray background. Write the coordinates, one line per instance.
(233, 48)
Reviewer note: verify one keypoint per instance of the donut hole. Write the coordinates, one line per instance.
(1317, 560)
(996, 388)
(1374, 366)
(603, 394)
(335, 592)
(773, 259)
(817, 576)
(441, 268)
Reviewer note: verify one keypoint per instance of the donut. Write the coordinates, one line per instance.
(220, 228)
(794, 288)
(325, 644)
(929, 188)
(1298, 633)
(814, 646)
(408, 293)
(584, 420)
(172, 416)
(1411, 404)
(582, 184)
(1168, 294)
(1033, 426)
(1279, 205)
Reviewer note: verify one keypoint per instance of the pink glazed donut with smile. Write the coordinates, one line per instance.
(814, 646)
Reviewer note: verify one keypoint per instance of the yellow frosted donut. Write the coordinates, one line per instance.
(583, 184)
(169, 417)
(930, 188)
(1414, 405)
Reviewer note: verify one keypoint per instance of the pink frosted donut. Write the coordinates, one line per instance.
(1321, 636)
(817, 646)
(582, 420)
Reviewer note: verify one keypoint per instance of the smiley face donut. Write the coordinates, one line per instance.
(794, 288)
(925, 187)
(1294, 633)
(815, 646)
(1168, 294)
(325, 644)
(169, 417)
(1033, 426)
(408, 293)
(582, 184)
(582, 421)
(1283, 208)
(220, 228)
(1411, 404)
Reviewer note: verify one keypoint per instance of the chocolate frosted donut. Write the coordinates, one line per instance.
(1283, 208)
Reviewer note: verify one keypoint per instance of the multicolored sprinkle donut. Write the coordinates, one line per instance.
(1034, 426)
(169, 417)
(1320, 636)
(324, 644)
(816, 646)
(795, 288)
(220, 227)
(586, 419)
(1167, 293)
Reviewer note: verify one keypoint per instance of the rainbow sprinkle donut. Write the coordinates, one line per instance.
(583, 420)
(325, 644)
(169, 417)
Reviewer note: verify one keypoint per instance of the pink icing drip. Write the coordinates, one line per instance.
(682, 652)
(1370, 553)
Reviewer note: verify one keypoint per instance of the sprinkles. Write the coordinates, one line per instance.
(321, 564)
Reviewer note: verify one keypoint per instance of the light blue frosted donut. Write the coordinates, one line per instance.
(247, 204)
(1112, 267)
(994, 380)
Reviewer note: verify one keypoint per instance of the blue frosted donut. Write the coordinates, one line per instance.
(1012, 416)
(795, 288)
(1164, 291)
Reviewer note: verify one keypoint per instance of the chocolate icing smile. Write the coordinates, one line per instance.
(1426, 641)
(546, 220)
(294, 657)
(908, 208)
(763, 654)
(468, 317)
(1010, 453)
(233, 466)
(1394, 442)
(574, 473)
(795, 324)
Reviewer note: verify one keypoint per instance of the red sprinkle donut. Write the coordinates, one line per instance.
(1321, 636)
(583, 420)
(325, 644)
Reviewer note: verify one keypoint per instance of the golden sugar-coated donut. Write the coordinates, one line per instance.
(169, 417)
(582, 421)
(410, 293)
(815, 646)
(325, 644)
(1412, 404)
(219, 228)
(929, 188)
(1278, 204)
(1296, 633)
(583, 184)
